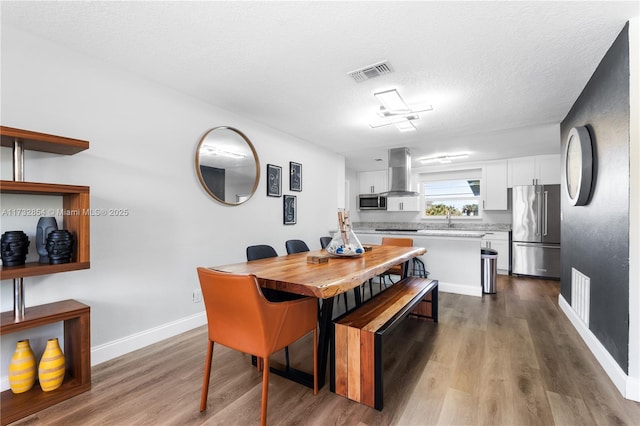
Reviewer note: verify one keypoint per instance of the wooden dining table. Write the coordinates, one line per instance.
(294, 273)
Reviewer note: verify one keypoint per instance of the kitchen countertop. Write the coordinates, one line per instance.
(425, 232)
(425, 228)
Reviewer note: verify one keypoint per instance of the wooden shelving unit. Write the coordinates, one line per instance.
(77, 350)
(34, 141)
(75, 201)
(74, 315)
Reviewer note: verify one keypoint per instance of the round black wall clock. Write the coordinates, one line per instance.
(578, 165)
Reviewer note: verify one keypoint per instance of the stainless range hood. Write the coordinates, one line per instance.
(400, 173)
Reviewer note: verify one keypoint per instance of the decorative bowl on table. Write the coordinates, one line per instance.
(337, 247)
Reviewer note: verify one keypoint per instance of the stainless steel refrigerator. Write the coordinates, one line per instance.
(536, 230)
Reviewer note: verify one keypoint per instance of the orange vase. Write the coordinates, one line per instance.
(51, 369)
(22, 368)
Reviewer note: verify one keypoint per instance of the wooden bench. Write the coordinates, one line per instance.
(356, 358)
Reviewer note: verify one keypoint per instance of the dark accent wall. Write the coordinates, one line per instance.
(595, 237)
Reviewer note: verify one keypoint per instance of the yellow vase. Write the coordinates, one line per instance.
(22, 368)
(51, 369)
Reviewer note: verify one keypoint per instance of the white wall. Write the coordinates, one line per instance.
(141, 158)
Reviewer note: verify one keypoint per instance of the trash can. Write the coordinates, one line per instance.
(488, 269)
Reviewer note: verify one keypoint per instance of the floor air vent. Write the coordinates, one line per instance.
(580, 294)
(371, 71)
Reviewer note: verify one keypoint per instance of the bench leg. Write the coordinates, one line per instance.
(421, 312)
(378, 372)
(434, 304)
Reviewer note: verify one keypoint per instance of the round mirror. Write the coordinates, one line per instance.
(578, 165)
(227, 165)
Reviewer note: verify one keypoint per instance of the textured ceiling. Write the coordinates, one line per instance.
(498, 74)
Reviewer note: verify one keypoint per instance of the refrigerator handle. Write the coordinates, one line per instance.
(538, 216)
(544, 218)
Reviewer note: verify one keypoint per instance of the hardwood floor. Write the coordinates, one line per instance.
(506, 359)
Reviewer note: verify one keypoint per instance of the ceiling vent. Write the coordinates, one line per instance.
(371, 71)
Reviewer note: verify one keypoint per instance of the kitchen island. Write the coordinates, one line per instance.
(452, 257)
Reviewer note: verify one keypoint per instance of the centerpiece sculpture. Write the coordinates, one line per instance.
(345, 242)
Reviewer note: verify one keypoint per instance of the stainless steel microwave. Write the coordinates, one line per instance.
(372, 202)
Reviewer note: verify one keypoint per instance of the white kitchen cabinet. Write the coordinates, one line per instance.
(494, 189)
(499, 241)
(373, 182)
(521, 171)
(403, 204)
(548, 169)
(537, 169)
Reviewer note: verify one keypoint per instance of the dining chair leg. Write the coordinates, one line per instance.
(207, 375)
(286, 356)
(265, 392)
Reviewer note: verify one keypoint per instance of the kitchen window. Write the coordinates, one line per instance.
(457, 193)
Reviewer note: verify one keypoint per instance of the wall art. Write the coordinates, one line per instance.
(274, 180)
(295, 176)
(290, 214)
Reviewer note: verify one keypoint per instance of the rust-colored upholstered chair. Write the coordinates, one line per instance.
(400, 242)
(240, 318)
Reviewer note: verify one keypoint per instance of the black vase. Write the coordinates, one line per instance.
(15, 246)
(59, 246)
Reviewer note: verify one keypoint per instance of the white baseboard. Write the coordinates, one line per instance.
(628, 387)
(459, 288)
(633, 389)
(116, 348)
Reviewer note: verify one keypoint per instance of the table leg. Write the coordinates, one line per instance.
(324, 339)
(358, 296)
(405, 269)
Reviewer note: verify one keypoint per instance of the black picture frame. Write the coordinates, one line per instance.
(295, 176)
(274, 180)
(290, 214)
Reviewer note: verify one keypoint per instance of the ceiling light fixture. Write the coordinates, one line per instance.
(385, 113)
(391, 100)
(393, 120)
(394, 110)
(443, 159)
(405, 126)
